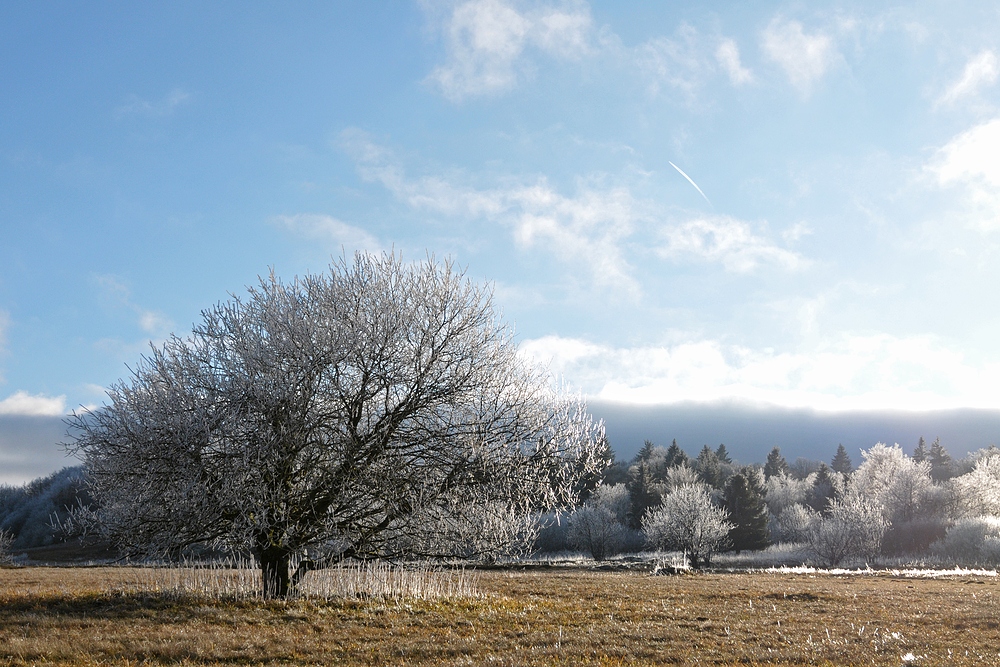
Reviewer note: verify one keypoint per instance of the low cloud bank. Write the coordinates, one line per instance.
(750, 432)
(29, 447)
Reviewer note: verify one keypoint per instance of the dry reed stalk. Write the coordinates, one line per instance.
(238, 579)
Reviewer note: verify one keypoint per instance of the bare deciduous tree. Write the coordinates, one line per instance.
(599, 526)
(380, 409)
(687, 520)
(854, 527)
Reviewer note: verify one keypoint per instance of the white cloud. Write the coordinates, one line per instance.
(728, 55)
(136, 106)
(805, 58)
(981, 71)
(329, 229)
(676, 62)
(152, 322)
(851, 372)
(487, 39)
(970, 162)
(24, 404)
(586, 230)
(728, 241)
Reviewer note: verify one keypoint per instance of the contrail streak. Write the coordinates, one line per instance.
(681, 172)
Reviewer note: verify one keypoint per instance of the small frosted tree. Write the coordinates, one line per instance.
(977, 493)
(853, 528)
(894, 481)
(687, 520)
(971, 541)
(784, 491)
(598, 527)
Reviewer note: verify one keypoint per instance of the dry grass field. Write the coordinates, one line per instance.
(97, 616)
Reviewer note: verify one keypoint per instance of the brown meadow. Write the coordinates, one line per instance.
(98, 616)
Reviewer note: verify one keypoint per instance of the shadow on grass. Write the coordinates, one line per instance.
(165, 608)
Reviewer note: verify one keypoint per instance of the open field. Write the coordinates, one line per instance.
(92, 616)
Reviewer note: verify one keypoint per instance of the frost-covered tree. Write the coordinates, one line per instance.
(792, 525)
(898, 484)
(378, 409)
(784, 491)
(971, 541)
(853, 528)
(687, 520)
(977, 493)
(678, 476)
(598, 527)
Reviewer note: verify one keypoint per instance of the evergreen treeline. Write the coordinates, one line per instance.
(890, 504)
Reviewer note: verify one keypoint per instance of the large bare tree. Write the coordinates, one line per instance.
(377, 410)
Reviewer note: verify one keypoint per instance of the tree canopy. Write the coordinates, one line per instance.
(378, 409)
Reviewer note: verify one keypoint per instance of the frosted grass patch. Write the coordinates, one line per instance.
(373, 580)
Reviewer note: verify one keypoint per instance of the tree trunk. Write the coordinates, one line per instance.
(274, 573)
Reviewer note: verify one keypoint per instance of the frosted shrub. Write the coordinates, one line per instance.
(978, 493)
(894, 481)
(598, 527)
(792, 525)
(853, 529)
(783, 491)
(971, 541)
(687, 521)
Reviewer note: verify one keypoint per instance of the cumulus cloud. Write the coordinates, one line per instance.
(728, 56)
(23, 404)
(981, 71)
(586, 230)
(165, 106)
(851, 372)
(487, 40)
(804, 57)
(329, 229)
(969, 161)
(728, 241)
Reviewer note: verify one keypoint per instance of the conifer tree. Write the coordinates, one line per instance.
(744, 500)
(940, 459)
(842, 462)
(920, 453)
(723, 454)
(708, 467)
(823, 491)
(675, 455)
(775, 464)
(646, 452)
(643, 492)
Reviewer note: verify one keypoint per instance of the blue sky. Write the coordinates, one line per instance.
(840, 255)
